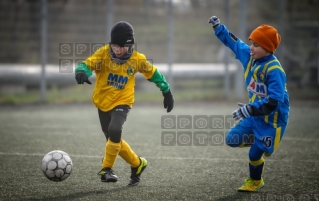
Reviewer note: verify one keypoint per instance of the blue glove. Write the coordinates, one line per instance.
(242, 113)
(214, 21)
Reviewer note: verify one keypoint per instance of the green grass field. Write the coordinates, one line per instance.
(28, 132)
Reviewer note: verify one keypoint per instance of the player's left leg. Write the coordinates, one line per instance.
(138, 164)
(128, 154)
(267, 141)
(256, 167)
(137, 171)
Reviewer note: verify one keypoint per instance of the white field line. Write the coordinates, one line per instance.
(167, 158)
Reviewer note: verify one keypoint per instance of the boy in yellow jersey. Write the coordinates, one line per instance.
(115, 66)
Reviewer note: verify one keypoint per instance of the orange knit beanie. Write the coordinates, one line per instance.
(266, 36)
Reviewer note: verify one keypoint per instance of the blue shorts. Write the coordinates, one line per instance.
(254, 131)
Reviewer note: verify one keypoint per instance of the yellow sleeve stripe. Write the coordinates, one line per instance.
(275, 67)
(277, 138)
(266, 118)
(248, 67)
(267, 64)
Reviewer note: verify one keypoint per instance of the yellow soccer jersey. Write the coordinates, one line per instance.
(115, 82)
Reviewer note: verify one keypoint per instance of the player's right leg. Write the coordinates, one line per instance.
(112, 124)
(240, 135)
(111, 151)
(106, 173)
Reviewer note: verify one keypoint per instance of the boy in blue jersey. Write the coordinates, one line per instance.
(262, 122)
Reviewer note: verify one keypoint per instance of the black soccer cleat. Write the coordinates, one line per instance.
(136, 172)
(107, 175)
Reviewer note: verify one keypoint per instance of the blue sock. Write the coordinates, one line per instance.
(256, 169)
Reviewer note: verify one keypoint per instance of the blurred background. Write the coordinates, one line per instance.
(174, 34)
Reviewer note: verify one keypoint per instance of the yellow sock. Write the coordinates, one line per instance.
(129, 155)
(111, 151)
(243, 145)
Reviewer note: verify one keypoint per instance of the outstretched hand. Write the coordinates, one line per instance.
(168, 101)
(81, 77)
(242, 113)
(214, 21)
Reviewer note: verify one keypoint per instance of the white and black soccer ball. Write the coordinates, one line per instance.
(57, 165)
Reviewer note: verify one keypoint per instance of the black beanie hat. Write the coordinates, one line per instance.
(122, 34)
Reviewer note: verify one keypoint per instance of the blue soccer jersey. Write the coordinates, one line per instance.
(265, 78)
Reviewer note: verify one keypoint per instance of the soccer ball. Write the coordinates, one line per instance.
(56, 165)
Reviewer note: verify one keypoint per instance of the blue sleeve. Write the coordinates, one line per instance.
(241, 49)
(276, 84)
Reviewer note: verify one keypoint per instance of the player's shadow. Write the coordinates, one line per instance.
(77, 196)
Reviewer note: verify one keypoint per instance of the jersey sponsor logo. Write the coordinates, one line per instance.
(260, 89)
(117, 81)
(262, 76)
(130, 70)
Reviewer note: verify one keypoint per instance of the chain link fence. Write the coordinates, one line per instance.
(80, 21)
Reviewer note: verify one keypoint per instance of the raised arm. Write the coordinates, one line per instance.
(241, 49)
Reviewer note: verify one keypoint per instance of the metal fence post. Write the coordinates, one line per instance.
(239, 83)
(227, 55)
(170, 43)
(44, 36)
(109, 19)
